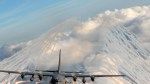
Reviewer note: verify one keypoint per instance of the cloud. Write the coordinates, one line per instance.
(11, 49)
(139, 25)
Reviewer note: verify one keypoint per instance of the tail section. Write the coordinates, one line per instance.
(59, 63)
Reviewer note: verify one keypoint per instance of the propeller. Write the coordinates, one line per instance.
(32, 78)
(74, 78)
(22, 76)
(40, 77)
(83, 80)
(92, 78)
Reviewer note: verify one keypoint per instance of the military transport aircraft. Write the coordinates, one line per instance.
(58, 76)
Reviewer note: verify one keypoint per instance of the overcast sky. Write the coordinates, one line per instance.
(23, 20)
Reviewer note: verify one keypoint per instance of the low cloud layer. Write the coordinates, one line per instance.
(11, 49)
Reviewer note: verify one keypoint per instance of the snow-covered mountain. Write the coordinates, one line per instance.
(115, 42)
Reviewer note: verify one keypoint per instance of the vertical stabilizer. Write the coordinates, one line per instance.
(59, 62)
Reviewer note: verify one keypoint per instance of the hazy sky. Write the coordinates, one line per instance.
(23, 20)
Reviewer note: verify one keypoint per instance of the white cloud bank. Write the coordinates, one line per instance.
(10, 49)
(115, 42)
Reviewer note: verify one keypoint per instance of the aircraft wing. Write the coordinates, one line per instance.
(75, 72)
(84, 75)
(15, 72)
(47, 70)
(92, 77)
(19, 72)
(57, 71)
(26, 73)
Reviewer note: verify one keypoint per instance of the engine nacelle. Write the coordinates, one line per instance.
(40, 77)
(22, 76)
(32, 78)
(74, 78)
(92, 78)
(83, 80)
(53, 80)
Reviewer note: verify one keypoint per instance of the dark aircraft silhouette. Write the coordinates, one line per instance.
(58, 76)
